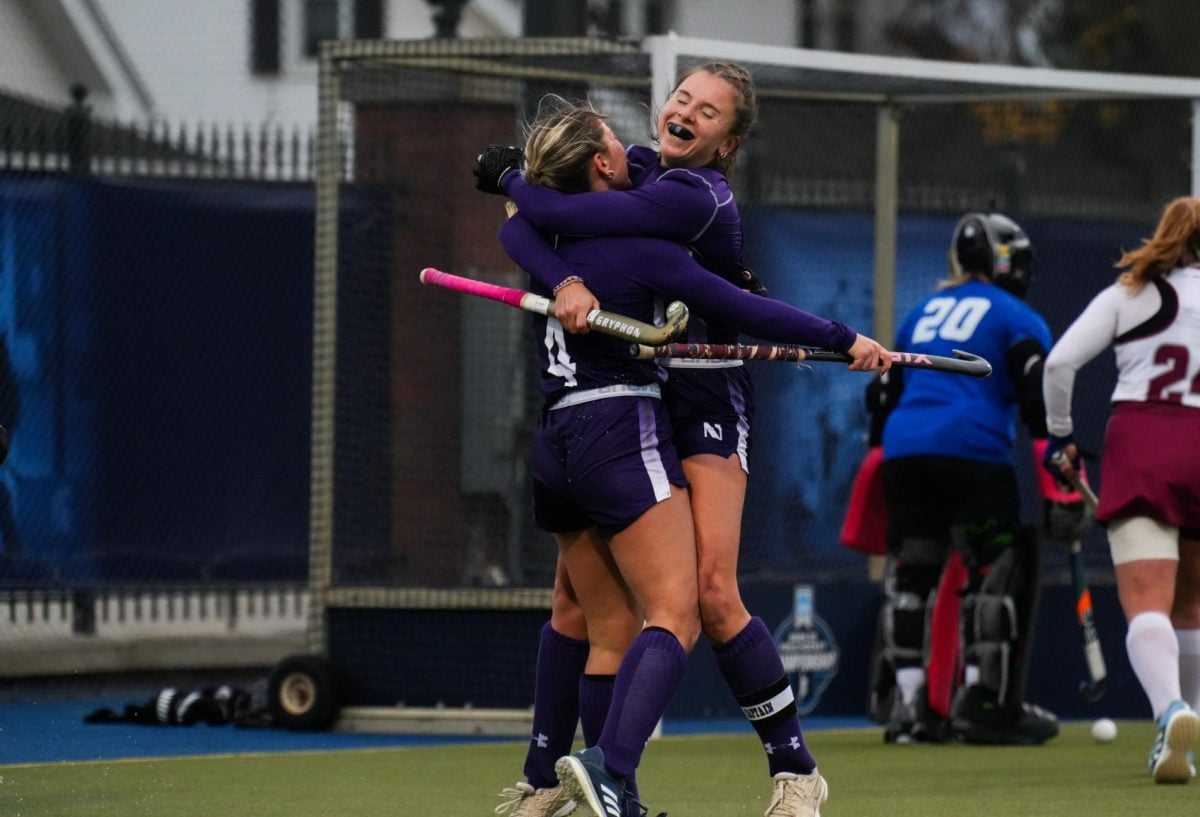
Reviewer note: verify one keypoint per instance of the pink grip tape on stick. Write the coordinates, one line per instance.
(608, 323)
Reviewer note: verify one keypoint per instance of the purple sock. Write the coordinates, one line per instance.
(650, 675)
(595, 697)
(560, 662)
(754, 672)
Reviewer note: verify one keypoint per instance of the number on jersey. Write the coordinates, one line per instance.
(950, 319)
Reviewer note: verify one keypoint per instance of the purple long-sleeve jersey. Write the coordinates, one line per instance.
(633, 276)
(693, 206)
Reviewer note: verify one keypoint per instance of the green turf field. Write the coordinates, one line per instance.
(720, 776)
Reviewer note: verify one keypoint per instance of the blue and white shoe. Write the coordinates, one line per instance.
(1178, 731)
(584, 777)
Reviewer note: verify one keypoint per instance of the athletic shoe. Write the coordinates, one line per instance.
(901, 721)
(1178, 730)
(526, 801)
(914, 723)
(798, 795)
(976, 717)
(587, 781)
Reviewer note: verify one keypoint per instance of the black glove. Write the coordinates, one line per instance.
(1067, 521)
(751, 282)
(493, 163)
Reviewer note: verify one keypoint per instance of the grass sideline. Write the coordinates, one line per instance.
(695, 776)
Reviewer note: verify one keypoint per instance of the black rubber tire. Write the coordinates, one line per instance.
(301, 694)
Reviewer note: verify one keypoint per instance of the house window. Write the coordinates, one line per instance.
(264, 36)
(286, 35)
(321, 22)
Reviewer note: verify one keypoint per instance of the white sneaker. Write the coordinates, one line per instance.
(1178, 731)
(798, 795)
(526, 801)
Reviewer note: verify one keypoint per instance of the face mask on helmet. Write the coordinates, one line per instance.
(996, 246)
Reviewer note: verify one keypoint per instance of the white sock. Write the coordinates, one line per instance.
(1154, 655)
(971, 674)
(908, 681)
(1189, 666)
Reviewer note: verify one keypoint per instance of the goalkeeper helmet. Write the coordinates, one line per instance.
(996, 246)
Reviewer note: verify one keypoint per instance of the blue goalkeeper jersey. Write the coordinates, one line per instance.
(949, 415)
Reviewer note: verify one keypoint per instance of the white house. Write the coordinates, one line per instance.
(253, 61)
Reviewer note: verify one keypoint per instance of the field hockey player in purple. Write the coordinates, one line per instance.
(680, 192)
(631, 276)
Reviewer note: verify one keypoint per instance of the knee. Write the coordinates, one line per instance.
(566, 616)
(684, 625)
(689, 632)
(722, 614)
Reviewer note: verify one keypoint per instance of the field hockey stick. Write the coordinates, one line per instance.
(1092, 689)
(608, 323)
(962, 362)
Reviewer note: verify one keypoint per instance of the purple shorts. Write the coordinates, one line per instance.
(603, 463)
(1151, 466)
(711, 410)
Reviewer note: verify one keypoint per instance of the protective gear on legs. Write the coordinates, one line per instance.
(996, 616)
(997, 619)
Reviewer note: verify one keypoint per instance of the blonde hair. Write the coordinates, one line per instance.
(1176, 243)
(560, 143)
(745, 110)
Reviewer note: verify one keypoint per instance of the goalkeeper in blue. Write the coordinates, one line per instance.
(950, 485)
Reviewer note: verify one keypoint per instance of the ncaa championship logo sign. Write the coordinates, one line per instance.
(809, 653)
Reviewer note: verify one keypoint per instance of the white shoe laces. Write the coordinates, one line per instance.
(515, 795)
(797, 796)
(526, 801)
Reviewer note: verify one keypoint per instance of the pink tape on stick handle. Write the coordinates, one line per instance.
(513, 297)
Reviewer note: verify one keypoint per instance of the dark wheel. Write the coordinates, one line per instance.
(301, 695)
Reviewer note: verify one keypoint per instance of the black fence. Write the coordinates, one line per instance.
(34, 138)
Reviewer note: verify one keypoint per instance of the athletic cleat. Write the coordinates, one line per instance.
(976, 717)
(798, 795)
(1178, 730)
(910, 723)
(526, 801)
(587, 781)
(901, 722)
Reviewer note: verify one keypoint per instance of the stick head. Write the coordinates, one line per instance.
(978, 366)
(677, 317)
(1093, 691)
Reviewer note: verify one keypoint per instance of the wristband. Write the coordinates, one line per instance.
(566, 282)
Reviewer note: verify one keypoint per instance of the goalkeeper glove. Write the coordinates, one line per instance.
(1057, 447)
(1066, 521)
